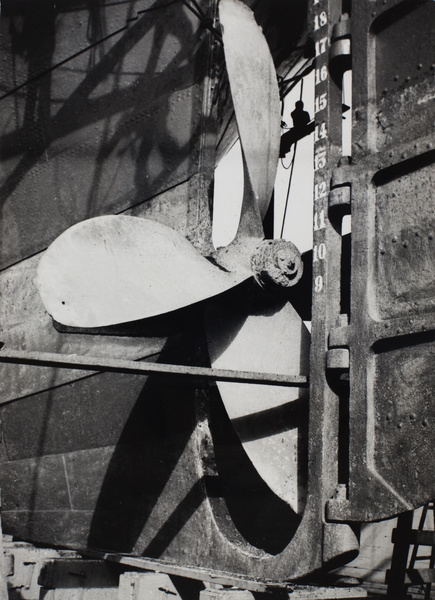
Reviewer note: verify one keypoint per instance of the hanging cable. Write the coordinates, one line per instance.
(293, 81)
(291, 167)
(292, 164)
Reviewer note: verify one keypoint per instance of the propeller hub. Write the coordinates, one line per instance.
(277, 264)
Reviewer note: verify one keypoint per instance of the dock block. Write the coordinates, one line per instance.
(23, 564)
(146, 586)
(78, 579)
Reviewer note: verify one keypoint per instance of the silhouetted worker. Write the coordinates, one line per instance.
(300, 117)
(301, 127)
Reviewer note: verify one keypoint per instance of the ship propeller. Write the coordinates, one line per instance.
(115, 269)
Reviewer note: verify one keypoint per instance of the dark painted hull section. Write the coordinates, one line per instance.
(102, 111)
(113, 462)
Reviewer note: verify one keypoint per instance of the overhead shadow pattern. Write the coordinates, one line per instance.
(100, 131)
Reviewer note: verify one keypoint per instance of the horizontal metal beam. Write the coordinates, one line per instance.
(284, 589)
(189, 572)
(72, 361)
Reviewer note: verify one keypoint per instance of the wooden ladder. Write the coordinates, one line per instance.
(404, 573)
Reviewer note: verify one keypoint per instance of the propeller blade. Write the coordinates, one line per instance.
(269, 420)
(114, 269)
(255, 94)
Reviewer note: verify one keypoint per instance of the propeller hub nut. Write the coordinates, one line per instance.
(277, 264)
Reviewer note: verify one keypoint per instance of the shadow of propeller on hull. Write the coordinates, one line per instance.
(155, 485)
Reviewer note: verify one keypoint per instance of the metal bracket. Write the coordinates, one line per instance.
(340, 53)
(342, 174)
(340, 192)
(337, 359)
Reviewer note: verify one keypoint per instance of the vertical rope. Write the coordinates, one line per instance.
(288, 189)
(291, 172)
